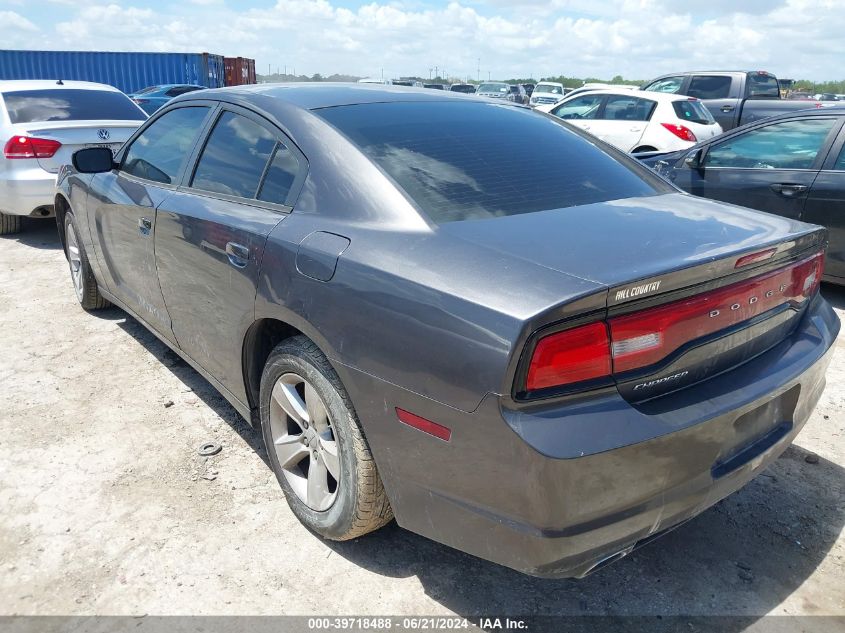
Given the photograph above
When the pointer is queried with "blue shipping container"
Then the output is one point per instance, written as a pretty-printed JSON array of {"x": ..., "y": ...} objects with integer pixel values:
[{"x": 125, "y": 71}]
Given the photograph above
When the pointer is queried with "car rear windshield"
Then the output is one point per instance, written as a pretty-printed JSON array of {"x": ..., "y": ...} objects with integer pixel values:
[
  {"x": 461, "y": 161},
  {"x": 693, "y": 111},
  {"x": 27, "y": 106},
  {"x": 762, "y": 86}
]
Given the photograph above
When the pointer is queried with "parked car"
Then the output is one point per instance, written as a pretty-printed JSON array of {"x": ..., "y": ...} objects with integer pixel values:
[
  {"x": 542, "y": 366},
  {"x": 588, "y": 87},
  {"x": 41, "y": 124},
  {"x": 801, "y": 96},
  {"x": 638, "y": 122},
  {"x": 152, "y": 98},
  {"x": 495, "y": 90},
  {"x": 518, "y": 94},
  {"x": 733, "y": 98},
  {"x": 547, "y": 93},
  {"x": 435, "y": 86},
  {"x": 372, "y": 80},
  {"x": 468, "y": 89},
  {"x": 792, "y": 165},
  {"x": 529, "y": 89},
  {"x": 825, "y": 96}
]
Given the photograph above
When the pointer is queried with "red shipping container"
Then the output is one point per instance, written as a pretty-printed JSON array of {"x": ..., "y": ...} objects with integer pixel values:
[{"x": 239, "y": 70}]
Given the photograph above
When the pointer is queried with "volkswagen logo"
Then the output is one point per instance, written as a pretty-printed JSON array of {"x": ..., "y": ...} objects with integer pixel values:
[{"x": 103, "y": 134}]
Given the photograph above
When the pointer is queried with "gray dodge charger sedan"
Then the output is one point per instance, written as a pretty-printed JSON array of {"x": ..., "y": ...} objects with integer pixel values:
[{"x": 545, "y": 357}]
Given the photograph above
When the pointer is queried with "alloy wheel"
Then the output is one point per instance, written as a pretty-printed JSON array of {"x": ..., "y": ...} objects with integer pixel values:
[{"x": 75, "y": 260}]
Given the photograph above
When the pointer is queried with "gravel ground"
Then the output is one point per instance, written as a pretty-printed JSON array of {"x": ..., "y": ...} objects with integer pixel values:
[{"x": 108, "y": 509}]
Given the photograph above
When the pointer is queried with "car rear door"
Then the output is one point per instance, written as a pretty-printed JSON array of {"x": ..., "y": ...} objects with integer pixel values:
[
  {"x": 770, "y": 167},
  {"x": 211, "y": 232},
  {"x": 623, "y": 120},
  {"x": 122, "y": 209},
  {"x": 826, "y": 206}
]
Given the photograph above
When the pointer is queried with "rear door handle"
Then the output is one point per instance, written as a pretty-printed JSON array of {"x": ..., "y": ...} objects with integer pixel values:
[
  {"x": 238, "y": 254},
  {"x": 145, "y": 225},
  {"x": 788, "y": 190}
]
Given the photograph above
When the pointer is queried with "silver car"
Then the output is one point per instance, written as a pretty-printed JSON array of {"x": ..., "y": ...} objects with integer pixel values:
[{"x": 41, "y": 124}]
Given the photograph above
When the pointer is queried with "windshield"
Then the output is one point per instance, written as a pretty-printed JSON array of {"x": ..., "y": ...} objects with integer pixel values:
[
  {"x": 493, "y": 88},
  {"x": 144, "y": 91},
  {"x": 556, "y": 90},
  {"x": 69, "y": 104},
  {"x": 445, "y": 158}
]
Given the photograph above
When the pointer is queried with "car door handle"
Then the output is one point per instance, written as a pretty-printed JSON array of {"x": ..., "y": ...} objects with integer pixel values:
[
  {"x": 145, "y": 225},
  {"x": 636, "y": 129},
  {"x": 728, "y": 108},
  {"x": 238, "y": 254},
  {"x": 787, "y": 190}
]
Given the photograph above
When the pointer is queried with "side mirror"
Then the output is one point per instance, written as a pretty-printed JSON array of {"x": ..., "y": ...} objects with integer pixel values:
[
  {"x": 93, "y": 160},
  {"x": 695, "y": 160}
]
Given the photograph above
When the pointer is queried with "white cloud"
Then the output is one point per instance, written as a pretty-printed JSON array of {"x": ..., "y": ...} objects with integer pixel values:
[{"x": 634, "y": 38}]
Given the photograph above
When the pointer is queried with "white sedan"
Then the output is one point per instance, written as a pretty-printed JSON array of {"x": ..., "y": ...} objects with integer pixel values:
[{"x": 638, "y": 121}]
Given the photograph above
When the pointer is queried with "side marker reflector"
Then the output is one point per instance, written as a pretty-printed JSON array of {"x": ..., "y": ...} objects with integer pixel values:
[{"x": 426, "y": 426}]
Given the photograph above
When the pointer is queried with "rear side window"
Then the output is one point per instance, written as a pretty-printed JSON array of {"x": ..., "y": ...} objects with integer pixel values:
[
  {"x": 710, "y": 87},
  {"x": 234, "y": 157},
  {"x": 625, "y": 108},
  {"x": 28, "y": 106},
  {"x": 786, "y": 145},
  {"x": 693, "y": 111},
  {"x": 667, "y": 84},
  {"x": 762, "y": 86},
  {"x": 158, "y": 152},
  {"x": 281, "y": 174},
  {"x": 448, "y": 158}
]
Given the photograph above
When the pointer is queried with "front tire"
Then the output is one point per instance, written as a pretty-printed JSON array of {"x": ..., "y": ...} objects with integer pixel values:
[
  {"x": 316, "y": 447},
  {"x": 84, "y": 282},
  {"x": 9, "y": 224}
]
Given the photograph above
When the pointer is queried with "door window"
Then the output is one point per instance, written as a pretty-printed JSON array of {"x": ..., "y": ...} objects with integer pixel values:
[
  {"x": 234, "y": 157},
  {"x": 280, "y": 176},
  {"x": 586, "y": 107},
  {"x": 710, "y": 87},
  {"x": 667, "y": 84},
  {"x": 157, "y": 154},
  {"x": 840, "y": 161},
  {"x": 787, "y": 145},
  {"x": 627, "y": 108}
]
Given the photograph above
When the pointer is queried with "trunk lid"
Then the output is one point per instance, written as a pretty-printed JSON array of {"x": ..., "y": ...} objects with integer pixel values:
[
  {"x": 76, "y": 135},
  {"x": 662, "y": 256}
]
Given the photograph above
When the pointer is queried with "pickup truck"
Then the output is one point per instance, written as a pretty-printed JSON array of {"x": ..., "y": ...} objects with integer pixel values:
[{"x": 733, "y": 97}]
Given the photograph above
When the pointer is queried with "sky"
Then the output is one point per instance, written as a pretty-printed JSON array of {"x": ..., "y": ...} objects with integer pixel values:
[{"x": 638, "y": 39}]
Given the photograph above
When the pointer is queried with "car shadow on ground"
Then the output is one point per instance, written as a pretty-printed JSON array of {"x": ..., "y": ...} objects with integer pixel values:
[
  {"x": 36, "y": 233},
  {"x": 835, "y": 295}
]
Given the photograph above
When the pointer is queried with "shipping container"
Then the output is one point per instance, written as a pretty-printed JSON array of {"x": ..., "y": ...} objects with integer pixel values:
[
  {"x": 128, "y": 72},
  {"x": 239, "y": 71}
]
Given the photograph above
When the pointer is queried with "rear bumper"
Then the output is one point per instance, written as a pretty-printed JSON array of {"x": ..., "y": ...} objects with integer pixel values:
[
  {"x": 27, "y": 190},
  {"x": 555, "y": 491}
]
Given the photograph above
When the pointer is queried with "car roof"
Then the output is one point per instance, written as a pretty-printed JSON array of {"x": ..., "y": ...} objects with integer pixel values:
[
  {"x": 660, "y": 97},
  {"x": 313, "y": 96},
  {"x": 13, "y": 85}
]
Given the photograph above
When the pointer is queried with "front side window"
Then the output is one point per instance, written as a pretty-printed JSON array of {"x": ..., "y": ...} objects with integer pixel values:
[
  {"x": 710, "y": 87},
  {"x": 625, "y": 108},
  {"x": 158, "y": 152},
  {"x": 71, "y": 104},
  {"x": 445, "y": 158},
  {"x": 586, "y": 107},
  {"x": 667, "y": 84},
  {"x": 786, "y": 145},
  {"x": 234, "y": 157}
]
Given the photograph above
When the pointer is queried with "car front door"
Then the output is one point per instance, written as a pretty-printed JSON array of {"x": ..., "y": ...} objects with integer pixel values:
[
  {"x": 211, "y": 232},
  {"x": 826, "y": 206},
  {"x": 770, "y": 167},
  {"x": 581, "y": 111},
  {"x": 122, "y": 210}
]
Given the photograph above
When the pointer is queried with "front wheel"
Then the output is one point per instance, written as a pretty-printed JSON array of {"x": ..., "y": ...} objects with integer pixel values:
[
  {"x": 316, "y": 447},
  {"x": 84, "y": 282}
]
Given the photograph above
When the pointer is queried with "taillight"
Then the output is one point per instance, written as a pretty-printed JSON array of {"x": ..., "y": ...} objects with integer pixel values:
[
  {"x": 29, "y": 147},
  {"x": 640, "y": 339},
  {"x": 681, "y": 131}
]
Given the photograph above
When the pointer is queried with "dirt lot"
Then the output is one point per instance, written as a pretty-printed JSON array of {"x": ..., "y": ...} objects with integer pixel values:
[{"x": 108, "y": 509}]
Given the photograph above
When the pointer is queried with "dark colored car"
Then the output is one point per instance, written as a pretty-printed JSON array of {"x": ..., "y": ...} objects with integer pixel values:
[
  {"x": 152, "y": 98},
  {"x": 518, "y": 94},
  {"x": 792, "y": 165},
  {"x": 467, "y": 89},
  {"x": 544, "y": 365},
  {"x": 734, "y": 98},
  {"x": 435, "y": 86},
  {"x": 529, "y": 89}
]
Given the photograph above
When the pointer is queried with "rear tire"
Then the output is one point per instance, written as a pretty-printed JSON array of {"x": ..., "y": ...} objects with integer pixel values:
[
  {"x": 9, "y": 224},
  {"x": 310, "y": 430},
  {"x": 84, "y": 282}
]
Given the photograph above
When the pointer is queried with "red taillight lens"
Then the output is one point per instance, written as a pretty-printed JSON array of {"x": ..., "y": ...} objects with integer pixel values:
[
  {"x": 681, "y": 131},
  {"x": 582, "y": 353},
  {"x": 28, "y": 147},
  {"x": 643, "y": 338},
  {"x": 647, "y": 337}
]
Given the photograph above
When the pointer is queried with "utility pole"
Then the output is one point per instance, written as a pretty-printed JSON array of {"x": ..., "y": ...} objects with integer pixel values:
[
  {"x": 479, "y": 70},
  {"x": 488, "y": 75}
]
